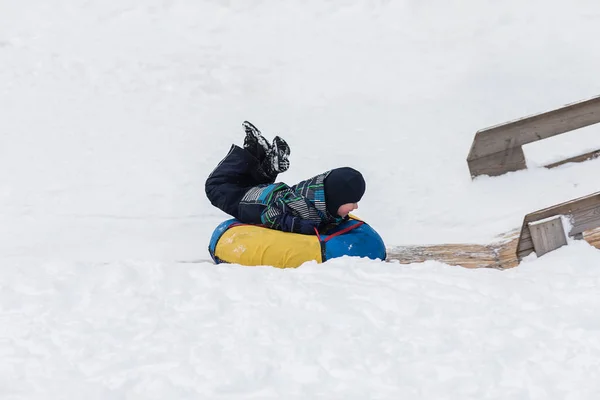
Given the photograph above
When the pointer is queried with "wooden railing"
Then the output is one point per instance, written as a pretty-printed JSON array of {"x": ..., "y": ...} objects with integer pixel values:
[{"x": 498, "y": 149}]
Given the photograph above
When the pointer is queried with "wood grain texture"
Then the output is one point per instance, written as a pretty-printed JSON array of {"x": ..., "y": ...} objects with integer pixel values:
[
  {"x": 581, "y": 158},
  {"x": 497, "y": 149},
  {"x": 501, "y": 254},
  {"x": 511, "y": 159},
  {"x": 547, "y": 235},
  {"x": 584, "y": 213},
  {"x": 537, "y": 127}
]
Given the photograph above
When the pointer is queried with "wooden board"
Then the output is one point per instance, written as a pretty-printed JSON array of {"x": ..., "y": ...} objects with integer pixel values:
[
  {"x": 581, "y": 158},
  {"x": 584, "y": 213},
  {"x": 547, "y": 235},
  {"x": 498, "y": 255},
  {"x": 536, "y": 127},
  {"x": 509, "y": 160},
  {"x": 497, "y": 149}
]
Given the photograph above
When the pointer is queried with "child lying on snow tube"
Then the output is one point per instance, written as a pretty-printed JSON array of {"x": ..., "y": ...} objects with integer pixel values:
[{"x": 243, "y": 185}]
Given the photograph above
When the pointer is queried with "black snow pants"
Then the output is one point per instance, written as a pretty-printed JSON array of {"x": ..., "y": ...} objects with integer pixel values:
[{"x": 237, "y": 173}]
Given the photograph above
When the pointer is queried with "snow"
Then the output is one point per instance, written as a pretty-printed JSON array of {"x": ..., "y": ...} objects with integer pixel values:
[{"x": 113, "y": 113}]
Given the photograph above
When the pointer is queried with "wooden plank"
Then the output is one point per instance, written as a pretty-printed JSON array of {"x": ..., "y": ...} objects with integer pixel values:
[
  {"x": 584, "y": 213},
  {"x": 501, "y": 254},
  {"x": 547, "y": 235},
  {"x": 512, "y": 159},
  {"x": 581, "y": 158},
  {"x": 536, "y": 127},
  {"x": 465, "y": 255}
]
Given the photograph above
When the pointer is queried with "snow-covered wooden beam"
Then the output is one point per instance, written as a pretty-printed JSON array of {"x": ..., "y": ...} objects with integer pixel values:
[
  {"x": 583, "y": 222},
  {"x": 498, "y": 149},
  {"x": 547, "y": 234},
  {"x": 497, "y": 255},
  {"x": 582, "y": 213}
]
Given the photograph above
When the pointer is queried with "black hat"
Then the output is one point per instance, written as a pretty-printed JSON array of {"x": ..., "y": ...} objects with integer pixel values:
[{"x": 343, "y": 185}]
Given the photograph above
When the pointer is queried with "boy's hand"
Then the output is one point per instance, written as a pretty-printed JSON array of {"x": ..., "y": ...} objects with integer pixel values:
[
  {"x": 308, "y": 227},
  {"x": 290, "y": 223}
]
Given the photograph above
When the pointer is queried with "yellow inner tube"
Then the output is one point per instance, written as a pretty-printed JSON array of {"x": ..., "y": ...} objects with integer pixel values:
[{"x": 255, "y": 245}]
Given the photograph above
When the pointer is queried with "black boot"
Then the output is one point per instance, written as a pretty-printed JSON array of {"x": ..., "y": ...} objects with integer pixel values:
[
  {"x": 255, "y": 143},
  {"x": 277, "y": 160}
]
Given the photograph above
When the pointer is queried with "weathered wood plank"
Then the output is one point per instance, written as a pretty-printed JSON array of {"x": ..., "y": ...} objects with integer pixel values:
[
  {"x": 466, "y": 255},
  {"x": 581, "y": 158},
  {"x": 547, "y": 235},
  {"x": 584, "y": 213},
  {"x": 536, "y": 127},
  {"x": 501, "y": 254},
  {"x": 497, "y": 149},
  {"x": 511, "y": 159}
]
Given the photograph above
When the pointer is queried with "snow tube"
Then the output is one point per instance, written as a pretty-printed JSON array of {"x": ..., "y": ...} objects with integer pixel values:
[{"x": 238, "y": 243}]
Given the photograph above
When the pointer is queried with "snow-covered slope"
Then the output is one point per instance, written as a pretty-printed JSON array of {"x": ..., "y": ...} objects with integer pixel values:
[{"x": 113, "y": 113}]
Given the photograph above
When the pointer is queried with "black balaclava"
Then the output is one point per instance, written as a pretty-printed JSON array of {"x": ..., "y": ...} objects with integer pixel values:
[{"x": 343, "y": 185}]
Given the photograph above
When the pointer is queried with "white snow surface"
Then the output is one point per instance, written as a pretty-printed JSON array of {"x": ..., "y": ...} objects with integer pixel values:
[{"x": 113, "y": 113}]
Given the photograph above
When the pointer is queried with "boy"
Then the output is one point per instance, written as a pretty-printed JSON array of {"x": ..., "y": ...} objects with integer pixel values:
[{"x": 243, "y": 185}]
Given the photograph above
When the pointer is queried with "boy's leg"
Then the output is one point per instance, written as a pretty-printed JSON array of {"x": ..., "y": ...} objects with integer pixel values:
[{"x": 232, "y": 178}]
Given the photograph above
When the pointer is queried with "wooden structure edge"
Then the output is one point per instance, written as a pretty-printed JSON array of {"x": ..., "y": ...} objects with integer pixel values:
[
  {"x": 583, "y": 215},
  {"x": 498, "y": 149},
  {"x": 498, "y": 255}
]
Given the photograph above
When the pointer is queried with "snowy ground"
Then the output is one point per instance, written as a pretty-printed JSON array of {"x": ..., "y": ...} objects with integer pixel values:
[{"x": 113, "y": 113}]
